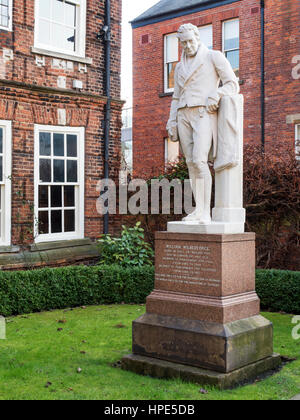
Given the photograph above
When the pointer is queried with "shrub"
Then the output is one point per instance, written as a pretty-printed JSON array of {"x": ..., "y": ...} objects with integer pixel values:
[
  {"x": 129, "y": 250},
  {"x": 57, "y": 288},
  {"x": 279, "y": 290}
]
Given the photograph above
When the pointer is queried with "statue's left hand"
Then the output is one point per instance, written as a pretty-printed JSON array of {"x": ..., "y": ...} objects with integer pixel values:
[{"x": 212, "y": 105}]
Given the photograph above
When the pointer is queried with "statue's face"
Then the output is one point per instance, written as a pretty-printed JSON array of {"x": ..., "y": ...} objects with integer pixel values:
[{"x": 189, "y": 43}]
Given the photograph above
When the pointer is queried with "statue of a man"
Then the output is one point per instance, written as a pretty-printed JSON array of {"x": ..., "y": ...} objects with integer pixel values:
[{"x": 194, "y": 112}]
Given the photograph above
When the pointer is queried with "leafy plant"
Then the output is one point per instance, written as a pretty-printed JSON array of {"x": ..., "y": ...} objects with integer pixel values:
[{"x": 129, "y": 250}]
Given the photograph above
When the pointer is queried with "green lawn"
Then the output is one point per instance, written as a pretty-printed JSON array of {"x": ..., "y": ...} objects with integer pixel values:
[{"x": 39, "y": 362}]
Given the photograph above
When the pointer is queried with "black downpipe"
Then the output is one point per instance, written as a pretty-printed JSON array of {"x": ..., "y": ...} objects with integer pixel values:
[
  {"x": 263, "y": 75},
  {"x": 105, "y": 34}
]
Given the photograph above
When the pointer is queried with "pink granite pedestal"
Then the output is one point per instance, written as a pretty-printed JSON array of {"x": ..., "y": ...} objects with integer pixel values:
[{"x": 204, "y": 311}]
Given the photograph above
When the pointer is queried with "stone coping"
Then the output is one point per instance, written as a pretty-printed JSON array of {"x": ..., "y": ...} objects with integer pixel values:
[
  {"x": 49, "y": 254},
  {"x": 168, "y": 370},
  {"x": 199, "y": 237}
]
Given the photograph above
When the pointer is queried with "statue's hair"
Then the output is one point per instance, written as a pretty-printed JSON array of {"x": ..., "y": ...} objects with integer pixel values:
[{"x": 188, "y": 27}]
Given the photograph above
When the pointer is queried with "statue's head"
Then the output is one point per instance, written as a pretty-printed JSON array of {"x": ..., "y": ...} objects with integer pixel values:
[{"x": 189, "y": 37}]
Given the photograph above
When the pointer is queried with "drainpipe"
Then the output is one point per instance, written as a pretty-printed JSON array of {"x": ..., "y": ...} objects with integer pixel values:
[
  {"x": 262, "y": 75},
  {"x": 105, "y": 34}
]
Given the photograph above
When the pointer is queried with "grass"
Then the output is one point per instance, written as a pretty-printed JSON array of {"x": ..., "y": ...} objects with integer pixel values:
[{"x": 37, "y": 361}]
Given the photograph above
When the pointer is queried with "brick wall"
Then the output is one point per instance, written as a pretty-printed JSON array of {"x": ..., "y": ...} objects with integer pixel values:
[
  {"x": 282, "y": 91},
  {"x": 151, "y": 108},
  {"x": 30, "y": 94}
]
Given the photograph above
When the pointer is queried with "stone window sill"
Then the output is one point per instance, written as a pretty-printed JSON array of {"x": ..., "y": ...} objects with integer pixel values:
[
  {"x": 164, "y": 95},
  {"x": 46, "y": 246},
  {"x": 62, "y": 56},
  {"x": 9, "y": 249}
]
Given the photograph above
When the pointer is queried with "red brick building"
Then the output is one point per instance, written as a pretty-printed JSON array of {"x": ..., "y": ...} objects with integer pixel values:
[
  {"x": 258, "y": 37},
  {"x": 52, "y": 109}
]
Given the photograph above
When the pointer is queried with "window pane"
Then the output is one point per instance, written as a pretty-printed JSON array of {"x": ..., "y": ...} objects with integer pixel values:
[
  {"x": 58, "y": 144},
  {"x": 69, "y": 36},
  {"x": 56, "y": 221},
  {"x": 70, "y": 14},
  {"x": 171, "y": 48},
  {"x": 206, "y": 36},
  {"x": 44, "y": 8},
  {"x": 58, "y": 11},
  {"x": 43, "y": 222},
  {"x": 56, "y": 196},
  {"x": 1, "y": 168},
  {"x": 171, "y": 74},
  {"x": 59, "y": 170},
  {"x": 45, "y": 144},
  {"x": 69, "y": 220},
  {"x": 4, "y": 21},
  {"x": 44, "y": 32},
  {"x": 71, "y": 171},
  {"x": 172, "y": 151},
  {"x": 43, "y": 196},
  {"x": 71, "y": 145},
  {"x": 69, "y": 196},
  {"x": 231, "y": 35},
  {"x": 234, "y": 58},
  {"x": 45, "y": 170},
  {"x": 63, "y": 37}
]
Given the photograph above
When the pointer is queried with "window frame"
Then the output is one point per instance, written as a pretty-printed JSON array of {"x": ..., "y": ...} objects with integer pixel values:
[
  {"x": 5, "y": 219},
  {"x": 80, "y": 38},
  {"x": 79, "y": 197},
  {"x": 10, "y": 17},
  {"x": 166, "y": 88},
  {"x": 223, "y": 39}
]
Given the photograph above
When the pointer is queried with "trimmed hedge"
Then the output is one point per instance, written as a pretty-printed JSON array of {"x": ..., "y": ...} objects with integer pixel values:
[
  {"x": 24, "y": 292},
  {"x": 58, "y": 288},
  {"x": 279, "y": 290}
]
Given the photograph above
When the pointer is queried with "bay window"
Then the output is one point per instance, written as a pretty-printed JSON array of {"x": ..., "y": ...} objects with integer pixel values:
[
  {"x": 5, "y": 182},
  {"x": 60, "y": 26},
  {"x": 59, "y": 183}
]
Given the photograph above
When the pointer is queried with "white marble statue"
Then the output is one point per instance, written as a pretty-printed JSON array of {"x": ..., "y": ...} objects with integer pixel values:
[{"x": 206, "y": 118}]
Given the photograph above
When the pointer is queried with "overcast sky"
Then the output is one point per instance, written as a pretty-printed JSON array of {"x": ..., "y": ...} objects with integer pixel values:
[{"x": 131, "y": 9}]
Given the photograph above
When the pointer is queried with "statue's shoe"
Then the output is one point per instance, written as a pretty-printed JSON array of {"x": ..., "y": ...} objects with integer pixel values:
[
  {"x": 196, "y": 217},
  {"x": 193, "y": 217},
  {"x": 206, "y": 221}
]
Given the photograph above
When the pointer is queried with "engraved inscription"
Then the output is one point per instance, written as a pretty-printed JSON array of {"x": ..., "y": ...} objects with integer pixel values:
[{"x": 188, "y": 264}]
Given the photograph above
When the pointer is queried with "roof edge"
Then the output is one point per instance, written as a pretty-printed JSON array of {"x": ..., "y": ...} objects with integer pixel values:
[{"x": 183, "y": 11}]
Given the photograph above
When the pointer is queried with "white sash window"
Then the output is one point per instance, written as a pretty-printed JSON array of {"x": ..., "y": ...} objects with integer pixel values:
[
  {"x": 5, "y": 182},
  {"x": 60, "y": 26},
  {"x": 231, "y": 43},
  {"x": 171, "y": 59},
  {"x": 59, "y": 183},
  {"x": 6, "y": 14}
]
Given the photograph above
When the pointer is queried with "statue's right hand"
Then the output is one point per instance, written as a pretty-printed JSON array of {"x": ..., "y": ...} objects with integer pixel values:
[{"x": 173, "y": 135}]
